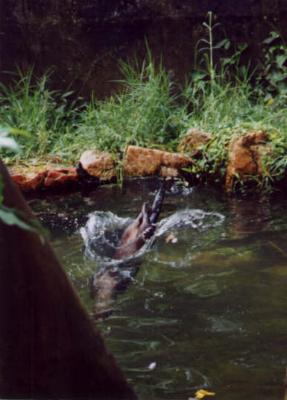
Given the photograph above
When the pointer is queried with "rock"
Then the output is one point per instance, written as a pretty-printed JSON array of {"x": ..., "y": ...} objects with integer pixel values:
[
  {"x": 37, "y": 177},
  {"x": 100, "y": 165},
  {"x": 28, "y": 179},
  {"x": 60, "y": 177},
  {"x": 193, "y": 141},
  {"x": 245, "y": 154},
  {"x": 140, "y": 161},
  {"x": 169, "y": 172}
]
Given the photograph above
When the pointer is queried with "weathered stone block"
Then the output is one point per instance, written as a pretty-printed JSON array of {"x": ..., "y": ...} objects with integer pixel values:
[
  {"x": 42, "y": 176},
  {"x": 28, "y": 179},
  {"x": 140, "y": 161},
  {"x": 60, "y": 177},
  {"x": 100, "y": 165},
  {"x": 245, "y": 154}
]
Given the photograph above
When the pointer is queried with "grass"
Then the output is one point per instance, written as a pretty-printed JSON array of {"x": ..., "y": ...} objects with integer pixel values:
[
  {"x": 150, "y": 110},
  {"x": 234, "y": 108},
  {"x": 144, "y": 113},
  {"x": 141, "y": 114},
  {"x": 34, "y": 109}
]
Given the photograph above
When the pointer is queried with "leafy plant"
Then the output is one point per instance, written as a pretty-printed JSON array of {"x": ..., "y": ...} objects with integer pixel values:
[
  {"x": 274, "y": 75},
  {"x": 208, "y": 47}
]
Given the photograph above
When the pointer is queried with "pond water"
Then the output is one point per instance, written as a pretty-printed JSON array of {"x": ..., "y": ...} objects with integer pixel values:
[{"x": 207, "y": 312}]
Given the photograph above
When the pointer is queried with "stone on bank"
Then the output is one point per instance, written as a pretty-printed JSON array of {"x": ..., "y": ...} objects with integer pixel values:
[
  {"x": 43, "y": 177},
  {"x": 141, "y": 161},
  {"x": 99, "y": 164},
  {"x": 245, "y": 157}
]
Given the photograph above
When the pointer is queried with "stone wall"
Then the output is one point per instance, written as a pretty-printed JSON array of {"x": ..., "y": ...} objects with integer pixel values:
[{"x": 84, "y": 40}]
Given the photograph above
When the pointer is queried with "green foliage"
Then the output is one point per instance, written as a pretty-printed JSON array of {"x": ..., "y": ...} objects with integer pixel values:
[
  {"x": 273, "y": 79},
  {"x": 10, "y": 216},
  {"x": 222, "y": 100},
  {"x": 151, "y": 110},
  {"x": 144, "y": 113},
  {"x": 31, "y": 107},
  {"x": 208, "y": 50},
  {"x": 208, "y": 47}
]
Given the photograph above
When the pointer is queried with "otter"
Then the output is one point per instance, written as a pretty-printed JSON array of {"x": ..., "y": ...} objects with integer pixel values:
[
  {"x": 142, "y": 229},
  {"x": 110, "y": 280}
]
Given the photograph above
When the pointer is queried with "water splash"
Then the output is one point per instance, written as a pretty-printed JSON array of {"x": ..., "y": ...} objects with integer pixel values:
[
  {"x": 103, "y": 231},
  {"x": 195, "y": 219},
  {"x": 101, "y": 234}
]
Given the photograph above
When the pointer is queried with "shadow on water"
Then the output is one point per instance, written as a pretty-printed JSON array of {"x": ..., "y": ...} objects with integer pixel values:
[{"x": 207, "y": 310}]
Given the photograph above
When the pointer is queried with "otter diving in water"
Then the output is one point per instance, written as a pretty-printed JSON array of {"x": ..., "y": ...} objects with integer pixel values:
[
  {"x": 114, "y": 278},
  {"x": 142, "y": 229}
]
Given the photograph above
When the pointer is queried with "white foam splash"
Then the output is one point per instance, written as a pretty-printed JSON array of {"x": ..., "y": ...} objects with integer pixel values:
[
  {"x": 102, "y": 232},
  {"x": 195, "y": 219}
]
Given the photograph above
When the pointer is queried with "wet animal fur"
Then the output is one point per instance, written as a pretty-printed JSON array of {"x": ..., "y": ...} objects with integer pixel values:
[
  {"x": 142, "y": 229},
  {"x": 108, "y": 281}
]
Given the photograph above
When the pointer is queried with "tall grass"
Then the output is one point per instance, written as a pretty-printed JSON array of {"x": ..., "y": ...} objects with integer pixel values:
[
  {"x": 30, "y": 106},
  {"x": 144, "y": 113},
  {"x": 150, "y": 110}
]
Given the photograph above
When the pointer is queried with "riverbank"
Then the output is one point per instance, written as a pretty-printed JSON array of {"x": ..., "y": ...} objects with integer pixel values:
[
  {"x": 245, "y": 165},
  {"x": 152, "y": 111}
]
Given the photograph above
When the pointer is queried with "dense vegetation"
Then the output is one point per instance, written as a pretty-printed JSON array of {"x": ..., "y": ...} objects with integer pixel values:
[{"x": 151, "y": 110}]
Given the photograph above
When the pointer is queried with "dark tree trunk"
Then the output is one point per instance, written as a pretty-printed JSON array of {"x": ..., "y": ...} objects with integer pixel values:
[{"x": 48, "y": 345}]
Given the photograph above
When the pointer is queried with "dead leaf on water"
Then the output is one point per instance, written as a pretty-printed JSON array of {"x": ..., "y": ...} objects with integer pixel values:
[{"x": 201, "y": 394}]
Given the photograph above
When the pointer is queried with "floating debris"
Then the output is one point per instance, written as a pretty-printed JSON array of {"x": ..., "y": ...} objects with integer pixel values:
[{"x": 152, "y": 366}]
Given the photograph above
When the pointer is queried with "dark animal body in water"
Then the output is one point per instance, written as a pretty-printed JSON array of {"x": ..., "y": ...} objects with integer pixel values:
[
  {"x": 110, "y": 280},
  {"x": 142, "y": 229}
]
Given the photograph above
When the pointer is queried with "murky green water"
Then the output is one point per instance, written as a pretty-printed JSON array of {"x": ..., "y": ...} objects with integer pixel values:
[{"x": 209, "y": 311}]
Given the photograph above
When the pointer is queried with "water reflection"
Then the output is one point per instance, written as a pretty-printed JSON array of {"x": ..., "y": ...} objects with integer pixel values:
[{"x": 248, "y": 216}]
